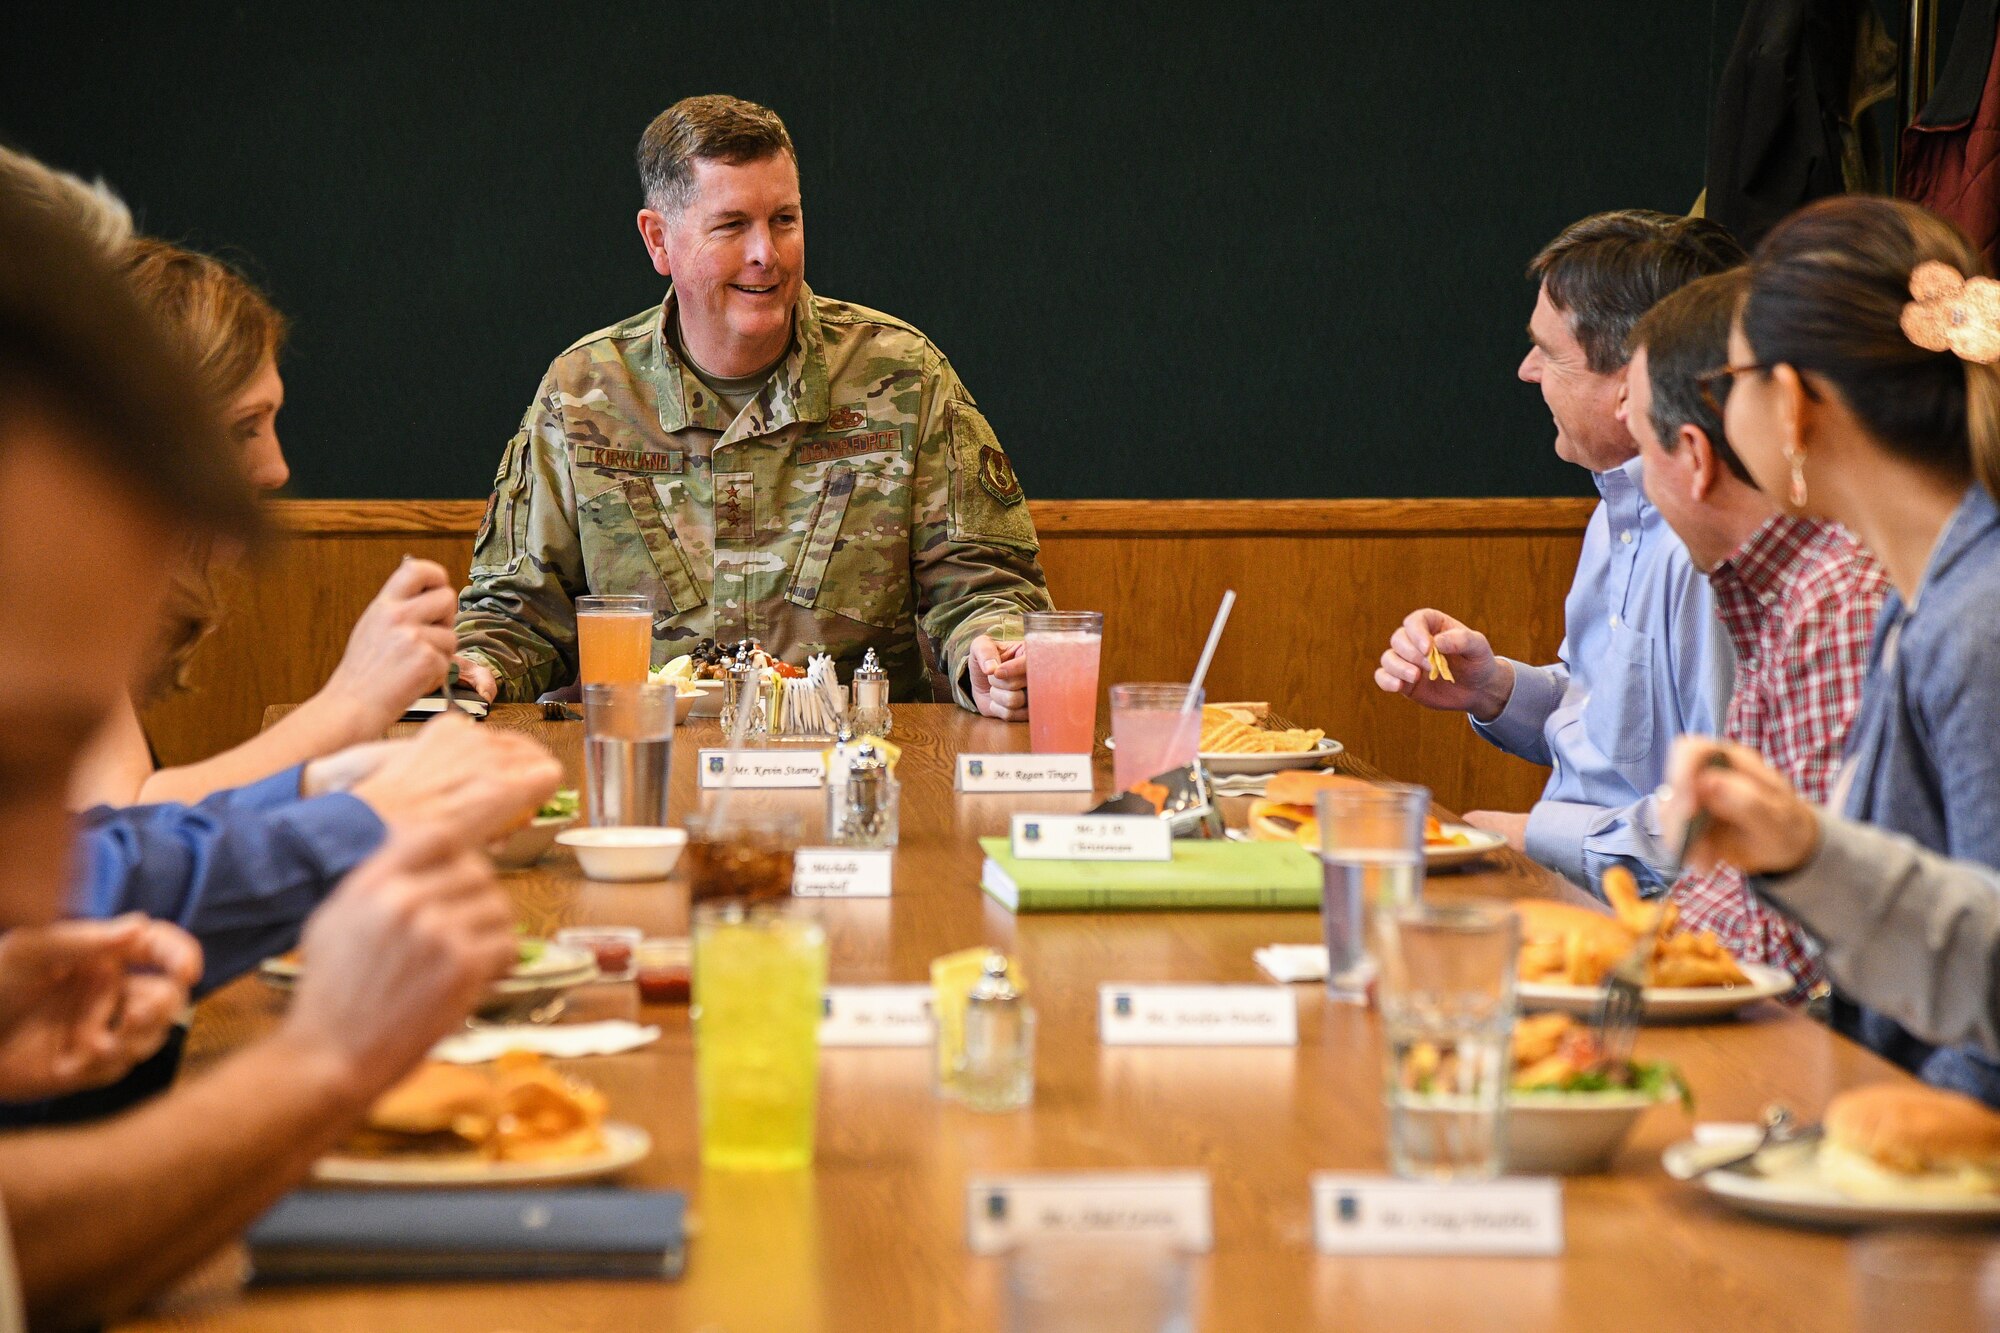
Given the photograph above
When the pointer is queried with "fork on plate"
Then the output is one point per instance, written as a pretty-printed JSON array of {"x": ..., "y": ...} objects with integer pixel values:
[{"x": 1624, "y": 1002}]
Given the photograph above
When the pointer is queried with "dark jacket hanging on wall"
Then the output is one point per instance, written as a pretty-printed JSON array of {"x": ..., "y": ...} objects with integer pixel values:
[
  {"x": 1950, "y": 160},
  {"x": 1800, "y": 74}
]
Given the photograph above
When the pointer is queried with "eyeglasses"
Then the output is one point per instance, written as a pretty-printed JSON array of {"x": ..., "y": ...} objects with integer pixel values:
[{"x": 1715, "y": 384}]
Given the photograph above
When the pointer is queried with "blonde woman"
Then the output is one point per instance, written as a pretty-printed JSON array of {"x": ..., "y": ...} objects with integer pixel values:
[{"x": 398, "y": 651}]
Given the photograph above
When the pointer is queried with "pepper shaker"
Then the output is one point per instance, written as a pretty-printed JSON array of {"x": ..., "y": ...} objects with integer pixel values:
[
  {"x": 861, "y": 798},
  {"x": 998, "y": 1073},
  {"x": 870, "y": 713}
]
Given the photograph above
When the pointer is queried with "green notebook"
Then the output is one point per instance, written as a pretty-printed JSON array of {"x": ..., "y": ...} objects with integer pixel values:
[{"x": 1237, "y": 875}]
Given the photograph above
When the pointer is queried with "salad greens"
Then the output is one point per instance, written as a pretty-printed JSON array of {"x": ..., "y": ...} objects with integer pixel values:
[
  {"x": 1656, "y": 1078},
  {"x": 563, "y": 805}
]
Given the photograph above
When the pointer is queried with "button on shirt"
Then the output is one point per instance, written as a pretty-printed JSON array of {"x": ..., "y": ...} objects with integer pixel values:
[
  {"x": 240, "y": 871},
  {"x": 1643, "y": 660}
]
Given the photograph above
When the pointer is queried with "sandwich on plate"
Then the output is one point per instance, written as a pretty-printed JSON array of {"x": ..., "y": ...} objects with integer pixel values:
[{"x": 1889, "y": 1141}]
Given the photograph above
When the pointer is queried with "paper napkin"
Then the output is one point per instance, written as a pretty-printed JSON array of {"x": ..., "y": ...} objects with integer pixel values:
[
  {"x": 565, "y": 1041},
  {"x": 1292, "y": 962}
]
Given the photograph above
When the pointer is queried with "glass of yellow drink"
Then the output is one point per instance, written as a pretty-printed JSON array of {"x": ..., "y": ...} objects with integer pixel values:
[
  {"x": 614, "y": 639},
  {"x": 759, "y": 973}
]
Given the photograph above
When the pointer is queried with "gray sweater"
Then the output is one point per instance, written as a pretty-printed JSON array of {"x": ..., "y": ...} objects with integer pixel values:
[{"x": 1907, "y": 932}]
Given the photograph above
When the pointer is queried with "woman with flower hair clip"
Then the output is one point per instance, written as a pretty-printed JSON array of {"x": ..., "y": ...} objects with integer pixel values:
[{"x": 1863, "y": 389}]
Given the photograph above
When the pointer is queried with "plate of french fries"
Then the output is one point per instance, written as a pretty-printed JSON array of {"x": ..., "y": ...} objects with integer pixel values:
[
  {"x": 1567, "y": 951},
  {"x": 1246, "y": 738}
]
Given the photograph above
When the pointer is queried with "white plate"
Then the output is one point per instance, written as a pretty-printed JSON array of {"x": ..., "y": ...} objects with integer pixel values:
[
  {"x": 1237, "y": 765},
  {"x": 1478, "y": 843},
  {"x": 623, "y": 1146},
  {"x": 1664, "y": 1004},
  {"x": 532, "y": 987},
  {"x": 1795, "y": 1193}
]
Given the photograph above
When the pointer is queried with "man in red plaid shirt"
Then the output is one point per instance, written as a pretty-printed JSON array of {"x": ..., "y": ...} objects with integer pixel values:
[{"x": 1798, "y": 598}]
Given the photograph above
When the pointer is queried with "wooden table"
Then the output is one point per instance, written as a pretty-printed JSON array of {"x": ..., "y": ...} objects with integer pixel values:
[{"x": 873, "y": 1236}]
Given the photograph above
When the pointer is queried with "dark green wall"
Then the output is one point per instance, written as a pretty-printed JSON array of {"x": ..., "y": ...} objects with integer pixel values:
[{"x": 1175, "y": 250}]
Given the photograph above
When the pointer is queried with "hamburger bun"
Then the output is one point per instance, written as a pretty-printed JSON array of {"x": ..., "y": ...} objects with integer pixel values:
[
  {"x": 1898, "y": 1138},
  {"x": 437, "y": 1098},
  {"x": 1288, "y": 811}
]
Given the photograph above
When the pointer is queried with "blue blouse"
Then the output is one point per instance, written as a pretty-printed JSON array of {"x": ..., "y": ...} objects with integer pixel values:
[
  {"x": 1923, "y": 755},
  {"x": 240, "y": 871}
]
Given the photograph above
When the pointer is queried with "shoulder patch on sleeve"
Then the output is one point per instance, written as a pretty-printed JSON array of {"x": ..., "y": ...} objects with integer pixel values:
[{"x": 987, "y": 502}]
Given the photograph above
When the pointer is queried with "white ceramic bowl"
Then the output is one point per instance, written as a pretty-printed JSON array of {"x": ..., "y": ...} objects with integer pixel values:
[
  {"x": 707, "y": 700},
  {"x": 625, "y": 853},
  {"x": 1570, "y": 1133},
  {"x": 528, "y": 843},
  {"x": 684, "y": 703}
]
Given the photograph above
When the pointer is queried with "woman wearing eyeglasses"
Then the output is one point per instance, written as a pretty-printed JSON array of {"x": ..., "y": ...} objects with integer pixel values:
[{"x": 1865, "y": 392}]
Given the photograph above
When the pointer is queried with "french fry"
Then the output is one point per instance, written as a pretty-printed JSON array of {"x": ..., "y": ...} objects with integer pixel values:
[{"x": 1439, "y": 667}]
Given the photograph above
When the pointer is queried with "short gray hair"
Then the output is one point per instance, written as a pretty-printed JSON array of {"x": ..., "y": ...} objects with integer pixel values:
[{"x": 715, "y": 128}]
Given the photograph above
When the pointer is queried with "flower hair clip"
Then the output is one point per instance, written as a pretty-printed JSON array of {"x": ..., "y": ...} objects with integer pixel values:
[{"x": 1953, "y": 313}]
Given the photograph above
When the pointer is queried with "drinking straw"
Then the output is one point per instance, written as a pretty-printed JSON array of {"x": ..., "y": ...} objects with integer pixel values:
[
  {"x": 738, "y": 734},
  {"x": 1188, "y": 705}
]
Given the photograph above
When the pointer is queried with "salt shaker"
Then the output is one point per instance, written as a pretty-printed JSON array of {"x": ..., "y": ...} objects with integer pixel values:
[
  {"x": 869, "y": 715},
  {"x": 998, "y": 1073},
  {"x": 861, "y": 798}
]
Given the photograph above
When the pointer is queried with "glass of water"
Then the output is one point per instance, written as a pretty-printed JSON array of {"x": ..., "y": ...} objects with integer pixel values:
[
  {"x": 1371, "y": 847},
  {"x": 1447, "y": 992},
  {"x": 628, "y": 750}
]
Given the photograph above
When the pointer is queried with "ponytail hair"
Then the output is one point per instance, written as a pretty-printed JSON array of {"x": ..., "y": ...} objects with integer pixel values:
[
  {"x": 1827, "y": 290},
  {"x": 1982, "y": 423}
]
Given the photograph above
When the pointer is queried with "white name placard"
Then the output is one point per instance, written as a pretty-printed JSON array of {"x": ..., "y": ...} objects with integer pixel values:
[
  {"x": 1519, "y": 1215},
  {"x": 1092, "y": 838},
  {"x": 1024, "y": 772},
  {"x": 1171, "y": 1207},
  {"x": 1196, "y": 1015},
  {"x": 841, "y": 872},
  {"x": 764, "y": 768},
  {"x": 877, "y": 1016}
]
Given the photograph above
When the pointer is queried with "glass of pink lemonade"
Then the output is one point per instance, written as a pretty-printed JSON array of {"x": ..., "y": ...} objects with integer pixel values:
[
  {"x": 614, "y": 640},
  {"x": 1062, "y": 648},
  {"x": 1151, "y": 732}
]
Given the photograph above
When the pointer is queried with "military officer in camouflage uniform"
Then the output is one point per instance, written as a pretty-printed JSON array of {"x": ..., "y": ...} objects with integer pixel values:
[{"x": 765, "y": 462}]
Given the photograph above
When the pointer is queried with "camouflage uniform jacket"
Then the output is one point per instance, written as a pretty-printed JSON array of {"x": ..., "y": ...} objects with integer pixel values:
[{"x": 858, "y": 497}]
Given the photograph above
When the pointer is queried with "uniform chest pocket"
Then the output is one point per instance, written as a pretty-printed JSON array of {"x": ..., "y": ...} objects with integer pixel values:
[
  {"x": 1618, "y": 716},
  {"x": 630, "y": 545},
  {"x": 856, "y": 558}
]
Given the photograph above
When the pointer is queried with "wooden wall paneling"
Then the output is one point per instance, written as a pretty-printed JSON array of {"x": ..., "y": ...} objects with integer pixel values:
[
  {"x": 1321, "y": 584},
  {"x": 283, "y": 631}
]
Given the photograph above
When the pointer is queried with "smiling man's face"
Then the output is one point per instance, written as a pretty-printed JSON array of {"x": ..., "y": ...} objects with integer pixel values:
[
  {"x": 737, "y": 255},
  {"x": 1583, "y": 402}
]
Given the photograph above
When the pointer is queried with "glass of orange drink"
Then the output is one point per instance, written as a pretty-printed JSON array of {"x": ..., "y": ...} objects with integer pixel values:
[{"x": 614, "y": 639}]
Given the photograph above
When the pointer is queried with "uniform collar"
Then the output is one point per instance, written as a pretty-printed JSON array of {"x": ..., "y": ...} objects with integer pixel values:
[{"x": 797, "y": 391}]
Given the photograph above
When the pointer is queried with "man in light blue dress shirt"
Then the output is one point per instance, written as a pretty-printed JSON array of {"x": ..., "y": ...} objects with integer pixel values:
[{"x": 1644, "y": 657}]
